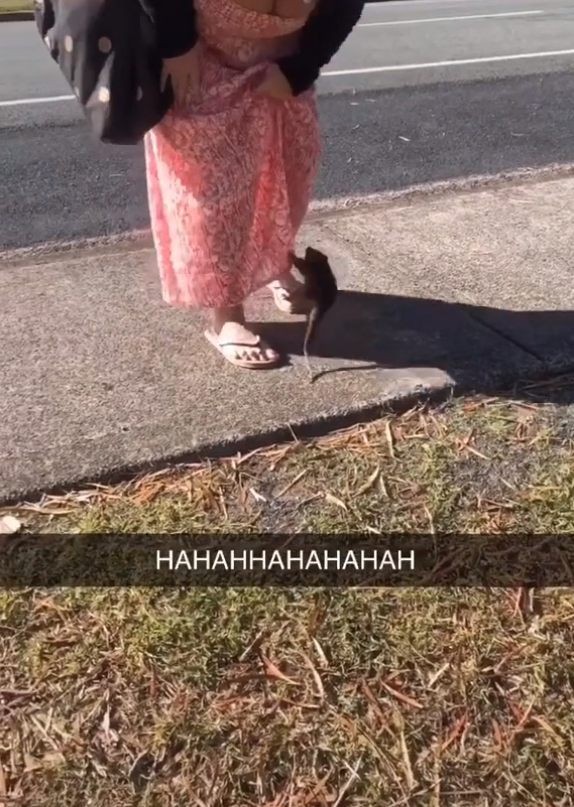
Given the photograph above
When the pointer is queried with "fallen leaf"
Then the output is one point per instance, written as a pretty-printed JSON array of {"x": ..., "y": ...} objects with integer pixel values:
[
  {"x": 272, "y": 671},
  {"x": 390, "y": 439},
  {"x": 315, "y": 674},
  {"x": 373, "y": 700},
  {"x": 324, "y": 662},
  {"x": 370, "y": 482},
  {"x": 290, "y": 484},
  {"x": 400, "y": 697},
  {"x": 3, "y": 787},
  {"x": 334, "y": 500},
  {"x": 544, "y": 724},
  {"x": 9, "y": 525},
  {"x": 498, "y": 741}
]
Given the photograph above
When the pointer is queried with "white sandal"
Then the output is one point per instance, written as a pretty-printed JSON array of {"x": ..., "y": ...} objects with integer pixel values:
[
  {"x": 241, "y": 339},
  {"x": 291, "y": 301}
]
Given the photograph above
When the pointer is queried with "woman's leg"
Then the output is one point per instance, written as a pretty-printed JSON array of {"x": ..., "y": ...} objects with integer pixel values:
[
  {"x": 289, "y": 294},
  {"x": 290, "y": 297},
  {"x": 227, "y": 331},
  {"x": 301, "y": 154}
]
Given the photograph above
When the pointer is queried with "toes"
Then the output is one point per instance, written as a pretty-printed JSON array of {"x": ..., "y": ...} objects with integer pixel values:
[
  {"x": 266, "y": 355},
  {"x": 259, "y": 355},
  {"x": 252, "y": 355}
]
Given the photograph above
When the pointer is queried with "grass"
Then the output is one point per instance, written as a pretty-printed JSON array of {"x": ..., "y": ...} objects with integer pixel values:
[
  {"x": 339, "y": 698},
  {"x": 13, "y": 6}
]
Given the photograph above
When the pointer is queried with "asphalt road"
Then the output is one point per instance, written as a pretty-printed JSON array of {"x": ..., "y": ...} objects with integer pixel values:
[{"x": 421, "y": 91}]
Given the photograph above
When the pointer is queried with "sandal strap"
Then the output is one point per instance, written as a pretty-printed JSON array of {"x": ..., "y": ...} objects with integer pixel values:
[
  {"x": 281, "y": 292},
  {"x": 241, "y": 344}
]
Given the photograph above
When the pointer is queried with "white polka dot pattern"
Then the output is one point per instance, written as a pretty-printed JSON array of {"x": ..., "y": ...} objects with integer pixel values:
[{"x": 116, "y": 79}]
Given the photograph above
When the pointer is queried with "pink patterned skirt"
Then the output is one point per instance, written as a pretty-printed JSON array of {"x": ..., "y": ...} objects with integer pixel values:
[{"x": 230, "y": 178}]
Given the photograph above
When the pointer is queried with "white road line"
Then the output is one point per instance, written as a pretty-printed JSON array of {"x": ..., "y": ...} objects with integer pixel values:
[
  {"x": 427, "y": 3},
  {"x": 393, "y": 68},
  {"x": 452, "y": 19},
  {"x": 389, "y": 68},
  {"x": 48, "y": 100}
]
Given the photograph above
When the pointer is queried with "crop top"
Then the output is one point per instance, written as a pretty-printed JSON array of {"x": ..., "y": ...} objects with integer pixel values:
[{"x": 328, "y": 26}]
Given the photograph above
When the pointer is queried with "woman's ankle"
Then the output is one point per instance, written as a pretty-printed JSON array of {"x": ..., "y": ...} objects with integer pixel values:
[
  {"x": 287, "y": 283},
  {"x": 220, "y": 316}
]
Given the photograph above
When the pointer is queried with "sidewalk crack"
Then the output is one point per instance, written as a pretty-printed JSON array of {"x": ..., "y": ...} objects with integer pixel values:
[{"x": 499, "y": 332}]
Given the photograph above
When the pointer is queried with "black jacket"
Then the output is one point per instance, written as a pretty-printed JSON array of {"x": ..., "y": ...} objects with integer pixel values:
[{"x": 327, "y": 28}]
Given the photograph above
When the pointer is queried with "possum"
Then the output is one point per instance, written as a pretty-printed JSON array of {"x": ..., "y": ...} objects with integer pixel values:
[{"x": 320, "y": 287}]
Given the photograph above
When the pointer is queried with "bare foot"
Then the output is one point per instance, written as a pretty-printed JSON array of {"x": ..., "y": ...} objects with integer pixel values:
[
  {"x": 236, "y": 343},
  {"x": 289, "y": 295}
]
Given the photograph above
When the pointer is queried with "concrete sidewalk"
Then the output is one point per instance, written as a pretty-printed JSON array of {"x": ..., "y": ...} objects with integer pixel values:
[{"x": 462, "y": 289}]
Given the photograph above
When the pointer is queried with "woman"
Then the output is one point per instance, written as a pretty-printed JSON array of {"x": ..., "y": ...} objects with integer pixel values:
[{"x": 230, "y": 169}]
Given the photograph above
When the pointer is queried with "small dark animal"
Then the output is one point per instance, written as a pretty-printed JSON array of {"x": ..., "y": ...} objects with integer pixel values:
[{"x": 320, "y": 287}]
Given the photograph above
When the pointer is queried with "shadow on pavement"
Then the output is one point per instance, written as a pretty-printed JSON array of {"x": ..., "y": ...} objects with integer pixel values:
[{"x": 482, "y": 349}]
